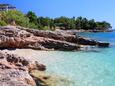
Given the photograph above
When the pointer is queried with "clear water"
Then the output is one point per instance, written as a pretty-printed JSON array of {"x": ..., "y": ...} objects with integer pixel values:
[
  {"x": 105, "y": 36},
  {"x": 93, "y": 68}
]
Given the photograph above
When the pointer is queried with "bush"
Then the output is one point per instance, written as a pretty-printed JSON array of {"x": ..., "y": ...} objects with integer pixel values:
[
  {"x": 3, "y": 23},
  {"x": 14, "y": 15},
  {"x": 46, "y": 28},
  {"x": 32, "y": 25}
]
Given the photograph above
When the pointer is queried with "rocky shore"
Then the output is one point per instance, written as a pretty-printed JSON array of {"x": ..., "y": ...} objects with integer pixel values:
[
  {"x": 19, "y": 37},
  {"x": 16, "y": 70},
  {"x": 20, "y": 71}
]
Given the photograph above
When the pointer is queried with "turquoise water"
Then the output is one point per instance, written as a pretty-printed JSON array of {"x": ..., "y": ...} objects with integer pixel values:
[
  {"x": 105, "y": 36},
  {"x": 91, "y": 68}
]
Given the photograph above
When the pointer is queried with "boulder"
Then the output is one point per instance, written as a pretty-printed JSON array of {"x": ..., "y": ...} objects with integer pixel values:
[
  {"x": 15, "y": 70},
  {"x": 101, "y": 44},
  {"x": 86, "y": 41}
]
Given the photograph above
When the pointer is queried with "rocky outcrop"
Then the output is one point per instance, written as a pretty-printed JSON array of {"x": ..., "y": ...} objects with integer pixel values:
[
  {"x": 19, "y": 37},
  {"x": 20, "y": 71},
  {"x": 69, "y": 36},
  {"x": 57, "y": 35},
  {"x": 101, "y": 44},
  {"x": 15, "y": 70},
  {"x": 12, "y": 37}
]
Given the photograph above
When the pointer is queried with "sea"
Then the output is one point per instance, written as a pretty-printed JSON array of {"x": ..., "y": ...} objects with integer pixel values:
[{"x": 93, "y": 67}]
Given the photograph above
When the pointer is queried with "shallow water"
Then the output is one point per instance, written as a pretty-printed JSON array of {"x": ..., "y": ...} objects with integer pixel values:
[
  {"x": 93, "y": 68},
  {"x": 82, "y": 68}
]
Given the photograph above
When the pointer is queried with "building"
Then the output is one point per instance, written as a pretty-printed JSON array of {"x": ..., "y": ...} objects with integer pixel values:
[{"x": 6, "y": 7}]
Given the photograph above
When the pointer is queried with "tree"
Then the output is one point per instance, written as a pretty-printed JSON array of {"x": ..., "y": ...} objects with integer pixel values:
[
  {"x": 85, "y": 24},
  {"x": 14, "y": 15},
  {"x": 67, "y": 23},
  {"x": 78, "y": 23},
  {"x": 92, "y": 24},
  {"x": 46, "y": 22},
  {"x": 32, "y": 17},
  {"x": 103, "y": 25}
]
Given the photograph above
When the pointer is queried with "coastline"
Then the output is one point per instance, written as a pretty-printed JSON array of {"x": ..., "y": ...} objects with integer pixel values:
[
  {"x": 33, "y": 45},
  {"x": 79, "y": 31},
  {"x": 67, "y": 44},
  {"x": 72, "y": 64},
  {"x": 45, "y": 77}
]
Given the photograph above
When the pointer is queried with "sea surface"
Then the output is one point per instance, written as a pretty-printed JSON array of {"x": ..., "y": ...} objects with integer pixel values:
[
  {"x": 91, "y": 67},
  {"x": 95, "y": 67}
]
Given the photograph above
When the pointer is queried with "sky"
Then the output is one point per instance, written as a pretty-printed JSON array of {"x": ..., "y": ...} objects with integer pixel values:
[{"x": 100, "y": 10}]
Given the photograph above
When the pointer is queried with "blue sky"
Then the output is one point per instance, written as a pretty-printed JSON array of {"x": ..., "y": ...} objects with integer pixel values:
[{"x": 97, "y": 9}]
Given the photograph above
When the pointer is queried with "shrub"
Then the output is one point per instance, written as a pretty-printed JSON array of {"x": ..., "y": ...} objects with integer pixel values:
[
  {"x": 14, "y": 15},
  {"x": 3, "y": 23}
]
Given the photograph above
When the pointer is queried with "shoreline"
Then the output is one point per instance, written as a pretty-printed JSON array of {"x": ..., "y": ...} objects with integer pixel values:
[
  {"x": 79, "y": 31},
  {"x": 35, "y": 45},
  {"x": 41, "y": 57},
  {"x": 25, "y": 38}
]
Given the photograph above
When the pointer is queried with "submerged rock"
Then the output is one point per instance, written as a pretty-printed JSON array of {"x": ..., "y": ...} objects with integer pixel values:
[{"x": 51, "y": 80}]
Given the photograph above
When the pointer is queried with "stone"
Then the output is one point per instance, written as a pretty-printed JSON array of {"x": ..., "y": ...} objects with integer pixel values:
[
  {"x": 100, "y": 44},
  {"x": 19, "y": 37},
  {"x": 15, "y": 70},
  {"x": 41, "y": 67}
]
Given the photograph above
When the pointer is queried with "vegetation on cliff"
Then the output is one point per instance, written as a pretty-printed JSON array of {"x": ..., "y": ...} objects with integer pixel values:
[{"x": 31, "y": 20}]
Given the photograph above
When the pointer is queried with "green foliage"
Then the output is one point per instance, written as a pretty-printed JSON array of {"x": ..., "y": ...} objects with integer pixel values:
[
  {"x": 46, "y": 28},
  {"x": 45, "y": 21},
  {"x": 81, "y": 23},
  {"x": 37, "y": 23},
  {"x": 31, "y": 20},
  {"x": 3, "y": 23},
  {"x": 13, "y": 15},
  {"x": 32, "y": 25},
  {"x": 32, "y": 17},
  {"x": 68, "y": 23},
  {"x": 103, "y": 25}
]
